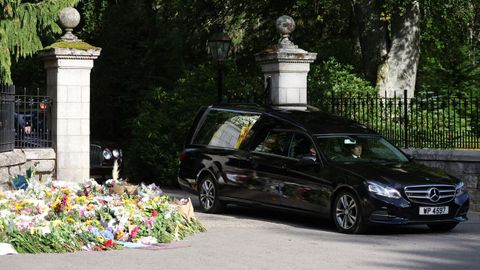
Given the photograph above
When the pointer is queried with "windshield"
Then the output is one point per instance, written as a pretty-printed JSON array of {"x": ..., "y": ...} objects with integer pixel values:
[{"x": 359, "y": 148}]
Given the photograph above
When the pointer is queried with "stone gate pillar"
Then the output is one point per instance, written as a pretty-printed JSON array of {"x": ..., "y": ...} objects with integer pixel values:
[
  {"x": 68, "y": 63},
  {"x": 286, "y": 67}
]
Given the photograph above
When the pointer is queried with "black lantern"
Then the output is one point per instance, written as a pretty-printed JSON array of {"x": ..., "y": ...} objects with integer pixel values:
[{"x": 218, "y": 48}]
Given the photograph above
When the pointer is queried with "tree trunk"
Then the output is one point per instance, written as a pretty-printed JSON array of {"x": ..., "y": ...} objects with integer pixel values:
[
  {"x": 399, "y": 70},
  {"x": 373, "y": 35},
  {"x": 389, "y": 56}
]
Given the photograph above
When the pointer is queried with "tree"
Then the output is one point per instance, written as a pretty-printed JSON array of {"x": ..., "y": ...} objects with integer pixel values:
[
  {"x": 450, "y": 43},
  {"x": 390, "y": 42},
  {"x": 22, "y": 23}
]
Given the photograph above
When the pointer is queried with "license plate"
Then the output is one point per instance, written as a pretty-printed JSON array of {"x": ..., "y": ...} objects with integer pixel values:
[{"x": 437, "y": 210}]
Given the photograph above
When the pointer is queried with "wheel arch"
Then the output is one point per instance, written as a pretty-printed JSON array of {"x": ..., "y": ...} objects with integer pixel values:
[{"x": 202, "y": 174}]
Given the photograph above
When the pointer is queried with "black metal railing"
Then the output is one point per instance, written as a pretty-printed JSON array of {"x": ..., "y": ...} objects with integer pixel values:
[
  {"x": 444, "y": 122},
  {"x": 421, "y": 122},
  {"x": 32, "y": 120},
  {"x": 7, "y": 132}
]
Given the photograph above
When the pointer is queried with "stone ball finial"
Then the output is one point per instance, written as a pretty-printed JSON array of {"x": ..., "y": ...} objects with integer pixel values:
[
  {"x": 69, "y": 19},
  {"x": 285, "y": 26}
]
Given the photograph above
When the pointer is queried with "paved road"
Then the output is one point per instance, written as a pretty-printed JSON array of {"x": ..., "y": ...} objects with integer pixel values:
[{"x": 246, "y": 238}]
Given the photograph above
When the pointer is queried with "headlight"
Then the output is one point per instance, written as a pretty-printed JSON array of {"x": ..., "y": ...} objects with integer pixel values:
[
  {"x": 460, "y": 189},
  {"x": 107, "y": 154},
  {"x": 383, "y": 190},
  {"x": 116, "y": 153}
]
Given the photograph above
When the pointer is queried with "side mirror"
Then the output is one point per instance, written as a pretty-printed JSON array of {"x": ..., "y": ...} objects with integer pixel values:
[{"x": 307, "y": 160}]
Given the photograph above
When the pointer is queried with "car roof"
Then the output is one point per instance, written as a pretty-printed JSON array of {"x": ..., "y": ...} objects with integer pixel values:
[
  {"x": 321, "y": 122},
  {"x": 314, "y": 120}
]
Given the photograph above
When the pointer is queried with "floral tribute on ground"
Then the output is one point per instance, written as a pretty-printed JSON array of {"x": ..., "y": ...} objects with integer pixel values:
[{"x": 65, "y": 217}]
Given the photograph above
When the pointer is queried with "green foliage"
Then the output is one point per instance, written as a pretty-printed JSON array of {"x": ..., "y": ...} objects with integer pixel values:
[
  {"x": 450, "y": 42},
  {"x": 21, "y": 27},
  {"x": 335, "y": 79},
  {"x": 58, "y": 241},
  {"x": 159, "y": 130},
  {"x": 94, "y": 14}
]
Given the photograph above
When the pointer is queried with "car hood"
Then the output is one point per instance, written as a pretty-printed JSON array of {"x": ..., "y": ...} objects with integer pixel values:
[{"x": 410, "y": 173}]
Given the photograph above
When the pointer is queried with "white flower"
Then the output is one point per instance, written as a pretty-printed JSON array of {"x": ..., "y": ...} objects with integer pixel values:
[
  {"x": 45, "y": 230},
  {"x": 5, "y": 213},
  {"x": 148, "y": 240}
]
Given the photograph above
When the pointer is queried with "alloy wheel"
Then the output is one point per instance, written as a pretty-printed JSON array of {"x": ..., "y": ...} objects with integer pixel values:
[
  {"x": 207, "y": 194},
  {"x": 346, "y": 212}
]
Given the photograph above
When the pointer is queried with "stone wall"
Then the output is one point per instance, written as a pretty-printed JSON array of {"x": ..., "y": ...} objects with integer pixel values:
[
  {"x": 18, "y": 161},
  {"x": 464, "y": 164}
]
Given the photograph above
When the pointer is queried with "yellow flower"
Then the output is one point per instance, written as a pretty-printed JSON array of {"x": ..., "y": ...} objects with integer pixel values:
[
  {"x": 97, "y": 223},
  {"x": 56, "y": 203},
  {"x": 71, "y": 220},
  {"x": 100, "y": 239},
  {"x": 18, "y": 205},
  {"x": 81, "y": 200},
  {"x": 119, "y": 235},
  {"x": 88, "y": 222},
  {"x": 69, "y": 205},
  {"x": 56, "y": 222}
]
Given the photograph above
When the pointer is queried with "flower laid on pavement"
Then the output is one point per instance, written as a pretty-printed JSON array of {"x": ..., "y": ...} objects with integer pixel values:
[{"x": 65, "y": 217}]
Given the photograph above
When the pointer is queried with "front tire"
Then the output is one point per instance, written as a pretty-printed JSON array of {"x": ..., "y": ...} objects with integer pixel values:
[
  {"x": 347, "y": 213},
  {"x": 442, "y": 227},
  {"x": 208, "y": 196}
]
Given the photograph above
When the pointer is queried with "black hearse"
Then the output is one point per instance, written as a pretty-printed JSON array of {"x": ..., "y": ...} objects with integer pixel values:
[{"x": 315, "y": 162}]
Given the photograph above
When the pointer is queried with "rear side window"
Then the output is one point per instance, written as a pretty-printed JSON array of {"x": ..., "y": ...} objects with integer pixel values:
[
  {"x": 276, "y": 143},
  {"x": 302, "y": 146},
  {"x": 227, "y": 129}
]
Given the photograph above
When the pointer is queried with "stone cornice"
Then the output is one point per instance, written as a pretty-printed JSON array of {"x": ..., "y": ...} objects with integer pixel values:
[
  {"x": 69, "y": 53},
  {"x": 285, "y": 56}
]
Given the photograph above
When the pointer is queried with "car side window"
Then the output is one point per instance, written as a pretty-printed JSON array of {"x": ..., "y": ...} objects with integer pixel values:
[
  {"x": 226, "y": 129},
  {"x": 302, "y": 146},
  {"x": 276, "y": 142}
]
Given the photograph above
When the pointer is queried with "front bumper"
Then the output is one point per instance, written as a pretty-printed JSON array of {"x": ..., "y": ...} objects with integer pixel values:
[{"x": 380, "y": 210}]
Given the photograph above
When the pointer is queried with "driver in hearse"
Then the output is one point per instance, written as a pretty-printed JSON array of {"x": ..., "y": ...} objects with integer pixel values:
[{"x": 356, "y": 150}]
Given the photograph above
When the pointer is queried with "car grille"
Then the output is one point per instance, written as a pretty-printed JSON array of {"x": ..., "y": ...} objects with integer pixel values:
[
  {"x": 430, "y": 194},
  {"x": 96, "y": 155}
]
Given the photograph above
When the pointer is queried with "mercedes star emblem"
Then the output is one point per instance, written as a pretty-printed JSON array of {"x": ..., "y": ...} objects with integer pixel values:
[{"x": 434, "y": 194}]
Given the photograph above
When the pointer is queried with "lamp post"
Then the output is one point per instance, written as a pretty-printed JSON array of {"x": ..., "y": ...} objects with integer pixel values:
[{"x": 218, "y": 48}]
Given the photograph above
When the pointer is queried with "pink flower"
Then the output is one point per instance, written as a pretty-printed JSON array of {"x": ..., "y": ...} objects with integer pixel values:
[
  {"x": 64, "y": 199},
  {"x": 154, "y": 213},
  {"x": 134, "y": 232},
  {"x": 149, "y": 222}
]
